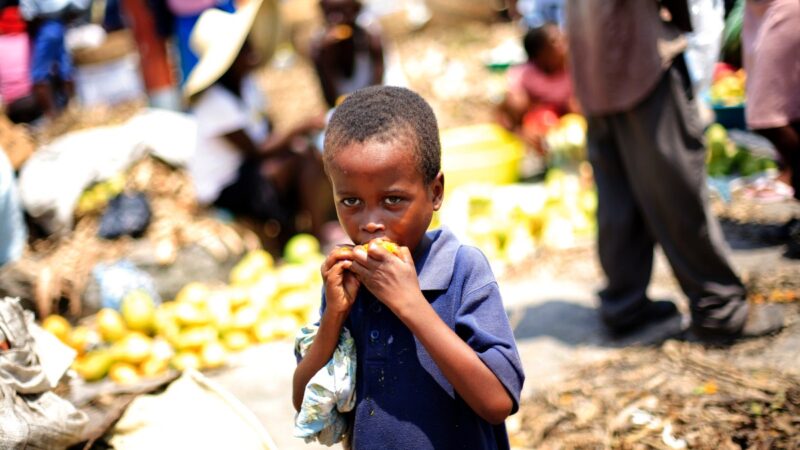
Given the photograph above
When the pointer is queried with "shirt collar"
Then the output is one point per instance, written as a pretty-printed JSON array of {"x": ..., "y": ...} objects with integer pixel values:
[{"x": 435, "y": 259}]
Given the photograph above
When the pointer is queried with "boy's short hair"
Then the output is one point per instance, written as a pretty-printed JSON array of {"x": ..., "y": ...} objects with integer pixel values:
[
  {"x": 384, "y": 114},
  {"x": 535, "y": 39}
]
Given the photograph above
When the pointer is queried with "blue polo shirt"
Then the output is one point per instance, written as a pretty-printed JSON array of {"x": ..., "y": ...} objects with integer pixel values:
[{"x": 403, "y": 399}]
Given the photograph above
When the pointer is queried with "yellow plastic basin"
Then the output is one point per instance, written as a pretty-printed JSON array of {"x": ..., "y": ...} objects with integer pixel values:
[{"x": 484, "y": 153}]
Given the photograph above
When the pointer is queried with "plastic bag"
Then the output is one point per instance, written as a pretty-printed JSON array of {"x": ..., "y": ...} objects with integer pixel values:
[
  {"x": 31, "y": 415},
  {"x": 126, "y": 215}
]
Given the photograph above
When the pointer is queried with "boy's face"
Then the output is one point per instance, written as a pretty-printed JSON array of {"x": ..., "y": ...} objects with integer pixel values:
[{"x": 379, "y": 191}]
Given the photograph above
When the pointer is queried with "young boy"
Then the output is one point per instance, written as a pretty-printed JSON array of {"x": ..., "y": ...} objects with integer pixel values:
[{"x": 437, "y": 365}]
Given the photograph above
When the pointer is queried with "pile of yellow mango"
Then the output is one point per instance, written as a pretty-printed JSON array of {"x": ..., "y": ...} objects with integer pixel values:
[{"x": 205, "y": 322}]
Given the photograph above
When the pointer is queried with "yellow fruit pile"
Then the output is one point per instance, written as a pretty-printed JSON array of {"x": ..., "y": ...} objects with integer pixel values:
[
  {"x": 509, "y": 223},
  {"x": 263, "y": 302},
  {"x": 729, "y": 89}
]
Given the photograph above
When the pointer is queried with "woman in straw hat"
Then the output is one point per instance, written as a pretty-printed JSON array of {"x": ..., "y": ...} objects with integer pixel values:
[{"x": 239, "y": 164}]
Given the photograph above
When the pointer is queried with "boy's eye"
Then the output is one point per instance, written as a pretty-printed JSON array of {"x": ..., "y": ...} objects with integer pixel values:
[
  {"x": 349, "y": 201},
  {"x": 393, "y": 200}
]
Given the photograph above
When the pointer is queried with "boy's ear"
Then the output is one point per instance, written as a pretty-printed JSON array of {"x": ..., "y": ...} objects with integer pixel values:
[{"x": 437, "y": 191}]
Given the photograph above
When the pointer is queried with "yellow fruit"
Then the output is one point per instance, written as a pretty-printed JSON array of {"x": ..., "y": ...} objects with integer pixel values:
[
  {"x": 300, "y": 247},
  {"x": 285, "y": 326},
  {"x": 110, "y": 324},
  {"x": 186, "y": 360},
  {"x": 164, "y": 317},
  {"x": 133, "y": 348},
  {"x": 572, "y": 118},
  {"x": 238, "y": 296},
  {"x": 251, "y": 267},
  {"x": 153, "y": 366},
  {"x": 93, "y": 365},
  {"x": 58, "y": 326},
  {"x": 297, "y": 301},
  {"x": 213, "y": 355},
  {"x": 194, "y": 293},
  {"x": 219, "y": 308},
  {"x": 196, "y": 337},
  {"x": 82, "y": 338},
  {"x": 245, "y": 317},
  {"x": 236, "y": 340},
  {"x": 390, "y": 246},
  {"x": 123, "y": 373},
  {"x": 138, "y": 310},
  {"x": 261, "y": 293},
  {"x": 293, "y": 276},
  {"x": 162, "y": 349},
  {"x": 264, "y": 330},
  {"x": 191, "y": 314}
]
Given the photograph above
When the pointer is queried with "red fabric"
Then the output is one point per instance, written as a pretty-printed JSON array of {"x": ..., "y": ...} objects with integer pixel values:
[{"x": 11, "y": 21}]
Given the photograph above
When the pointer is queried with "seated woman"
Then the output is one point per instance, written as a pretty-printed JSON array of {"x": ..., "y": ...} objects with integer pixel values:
[
  {"x": 240, "y": 165},
  {"x": 541, "y": 83},
  {"x": 347, "y": 57}
]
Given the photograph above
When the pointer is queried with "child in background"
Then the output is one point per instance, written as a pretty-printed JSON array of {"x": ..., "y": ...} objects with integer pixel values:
[
  {"x": 437, "y": 366},
  {"x": 542, "y": 83},
  {"x": 347, "y": 57},
  {"x": 240, "y": 164},
  {"x": 51, "y": 63}
]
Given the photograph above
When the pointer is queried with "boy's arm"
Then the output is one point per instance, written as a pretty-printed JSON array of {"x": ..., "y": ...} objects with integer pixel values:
[
  {"x": 340, "y": 293},
  {"x": 471, "y": 378},
  {"x": 318, "y": 354}
]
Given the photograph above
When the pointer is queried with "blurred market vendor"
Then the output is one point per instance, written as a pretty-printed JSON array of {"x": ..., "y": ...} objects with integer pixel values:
[
  {"x": 646, "y": 148},
  {"x": 346, "y": 55},
  {"x": 186, "y": 13},
  {"x": 770, "y": 42},
  {"x": 51, "y": 63},
  {"x": 16, "y": 90},
  {"x": 240, "y": 165}
]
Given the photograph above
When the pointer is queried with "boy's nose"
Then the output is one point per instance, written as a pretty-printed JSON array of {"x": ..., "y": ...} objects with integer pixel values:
[{"x": 373, "y": 227}]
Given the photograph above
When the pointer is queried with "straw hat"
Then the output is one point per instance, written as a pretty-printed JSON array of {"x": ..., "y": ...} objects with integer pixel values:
[{"x": 218, "y": 36}]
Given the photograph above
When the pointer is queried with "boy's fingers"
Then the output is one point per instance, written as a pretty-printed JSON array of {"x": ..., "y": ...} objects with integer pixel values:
[
  {"x": 336, "y": 255},
  {"x": 359, "y": 270},
  {"x": 405, "y": 255},
  {"x": 378, "y": 252}
]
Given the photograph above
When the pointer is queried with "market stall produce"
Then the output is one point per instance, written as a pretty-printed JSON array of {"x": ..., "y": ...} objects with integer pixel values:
[{"x": 205, "y": 322}]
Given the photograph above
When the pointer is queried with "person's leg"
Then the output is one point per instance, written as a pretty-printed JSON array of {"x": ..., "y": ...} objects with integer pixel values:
[
  {"x": 66, "y": 71},
  {"x": 625, "y": 245},
  {"x": 786, "y": 141},
  {"x": 45, "y": 56},
  {"x": 661, "y": 147}
]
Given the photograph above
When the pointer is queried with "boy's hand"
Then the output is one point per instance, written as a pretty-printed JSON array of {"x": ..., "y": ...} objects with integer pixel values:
[
  {"x": 341, "y": 285},
  {"x": 387, "y": 274}
]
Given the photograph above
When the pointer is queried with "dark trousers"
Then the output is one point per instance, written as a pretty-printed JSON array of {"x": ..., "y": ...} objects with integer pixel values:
[{"x": 649, "y": 165}]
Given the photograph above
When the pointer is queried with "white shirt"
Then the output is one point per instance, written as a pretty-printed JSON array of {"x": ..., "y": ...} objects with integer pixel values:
[
  {"x": 216, "y": 162},
  {"x": 30, "y": 9}
]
